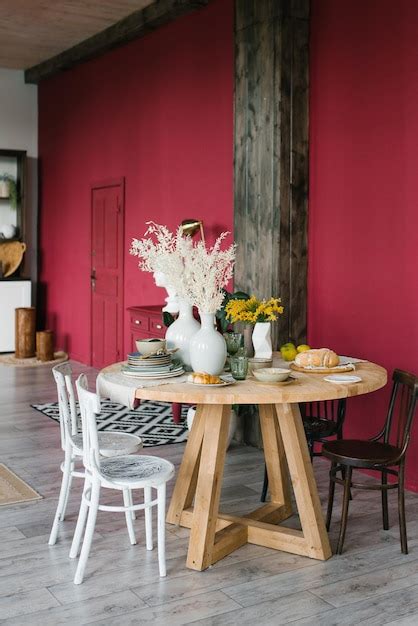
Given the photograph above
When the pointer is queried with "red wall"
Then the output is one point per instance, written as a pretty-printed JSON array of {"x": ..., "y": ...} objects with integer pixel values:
[
  {"x": 159, "y": 112},
  {"x": 363, "y": 222}
]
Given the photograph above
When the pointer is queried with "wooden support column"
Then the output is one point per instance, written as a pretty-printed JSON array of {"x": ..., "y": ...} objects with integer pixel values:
[
  {"x": 271, "y": 154},
  {"x": 271, "y": 161}
]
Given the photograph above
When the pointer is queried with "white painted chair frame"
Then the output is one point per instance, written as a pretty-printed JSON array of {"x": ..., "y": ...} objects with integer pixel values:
[
  {"x": 126, "y": 443},
  {"x": 159, "y": 472}
]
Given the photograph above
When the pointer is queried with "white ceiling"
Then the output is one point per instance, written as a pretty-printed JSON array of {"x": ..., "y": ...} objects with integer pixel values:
[{"x": 33, "y": 31}]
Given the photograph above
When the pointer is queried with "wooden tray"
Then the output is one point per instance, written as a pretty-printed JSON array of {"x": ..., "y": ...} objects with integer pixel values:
[
  {"x": 11, "y": 255},
  {"x": 324, "y": 370}
]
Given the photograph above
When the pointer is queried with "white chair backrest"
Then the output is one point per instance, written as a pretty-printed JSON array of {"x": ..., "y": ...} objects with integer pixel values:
[
  {"x": 89, "y": 407},
  {"x": 66, "y": 402}
]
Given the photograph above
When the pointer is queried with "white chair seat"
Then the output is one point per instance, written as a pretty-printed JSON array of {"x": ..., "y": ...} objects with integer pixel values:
[
  {"x": 135, "y": 470},
  {"x": 112, "y": 444}
]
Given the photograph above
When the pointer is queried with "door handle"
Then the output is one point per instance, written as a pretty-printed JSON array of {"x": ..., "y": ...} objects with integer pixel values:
[{"x": 93, "y": 279}]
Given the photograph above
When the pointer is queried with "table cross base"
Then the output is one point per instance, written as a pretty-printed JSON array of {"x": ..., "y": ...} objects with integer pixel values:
[{"x": 213, "y": 534}]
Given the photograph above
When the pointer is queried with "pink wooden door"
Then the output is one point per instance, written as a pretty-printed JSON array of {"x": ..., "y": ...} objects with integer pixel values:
[{"x": 107, "y": 273}]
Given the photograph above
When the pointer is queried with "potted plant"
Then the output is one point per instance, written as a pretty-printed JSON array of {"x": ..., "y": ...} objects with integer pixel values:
[{"x": 8, "y": 189}]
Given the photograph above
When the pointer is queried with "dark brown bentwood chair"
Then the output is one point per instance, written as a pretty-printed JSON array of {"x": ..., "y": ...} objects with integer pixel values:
[
  {"x": 321, "y": 420},
  {"x": 377, "y": 454}
]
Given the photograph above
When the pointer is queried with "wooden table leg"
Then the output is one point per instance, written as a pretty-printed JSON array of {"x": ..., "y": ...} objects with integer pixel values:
[
  {"x": 206, "y": 506},
  {"x": 274, "y": 455},
  {"x": 303, "y": 480},
  {"x": 185, "y": 486}
]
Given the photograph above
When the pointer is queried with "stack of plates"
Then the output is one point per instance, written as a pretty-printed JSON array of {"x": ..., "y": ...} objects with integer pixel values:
[{"x": 158, "y": 366}]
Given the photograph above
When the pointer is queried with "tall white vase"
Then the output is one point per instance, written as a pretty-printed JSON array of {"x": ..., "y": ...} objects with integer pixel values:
[
  {"x": 180, "y": 332},
  {"x": 262, "y": 340},
  {"x": 208, "y": 347}
]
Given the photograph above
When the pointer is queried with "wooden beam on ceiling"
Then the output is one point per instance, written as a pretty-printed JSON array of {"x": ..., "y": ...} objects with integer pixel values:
[{"x": 133, "y": 26}]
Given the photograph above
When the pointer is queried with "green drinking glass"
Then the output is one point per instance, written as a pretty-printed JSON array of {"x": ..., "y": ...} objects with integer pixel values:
[
  {"x": 239, "y": 367},
  {"x": 233, "y": 342}
]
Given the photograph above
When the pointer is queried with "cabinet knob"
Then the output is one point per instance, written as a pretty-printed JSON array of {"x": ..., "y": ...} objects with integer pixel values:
[
  {"x": 137, "y": 322},
  {"x": 158, "y": 326}
]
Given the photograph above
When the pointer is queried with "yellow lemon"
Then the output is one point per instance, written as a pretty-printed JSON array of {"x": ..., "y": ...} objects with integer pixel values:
[
  {"x": 303, "y": 347},
  {"x": 289, "y": 354}
]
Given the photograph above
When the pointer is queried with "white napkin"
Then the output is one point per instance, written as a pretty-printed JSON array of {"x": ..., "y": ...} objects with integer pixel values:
[{"x": 121, "y": 389}]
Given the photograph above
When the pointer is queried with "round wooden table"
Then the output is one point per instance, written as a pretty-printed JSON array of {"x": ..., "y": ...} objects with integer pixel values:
[{"x": 213, "y": 534}]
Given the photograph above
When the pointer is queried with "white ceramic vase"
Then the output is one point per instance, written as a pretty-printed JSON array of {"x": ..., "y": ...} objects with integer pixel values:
[
  {"x": 180, "y": 332},
  {"x": 232, "y": 424},
  {"x": 208, "y": 347},
  {"x": 262, "y": 340}
]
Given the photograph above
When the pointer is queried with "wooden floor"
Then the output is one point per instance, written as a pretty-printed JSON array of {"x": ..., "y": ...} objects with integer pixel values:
[{"x": 372, "y": 583}]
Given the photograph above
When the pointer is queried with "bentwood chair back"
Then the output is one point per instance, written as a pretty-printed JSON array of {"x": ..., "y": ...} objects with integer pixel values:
[
  {"x": 123, "y": 473},
  {"x": 383, "y": 453},
  {"x": 397, "y": 428},
  {"x": 66, "y": 403}
]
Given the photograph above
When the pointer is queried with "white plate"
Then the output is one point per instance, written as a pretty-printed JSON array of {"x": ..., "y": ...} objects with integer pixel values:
[
  {"x": 342, "y": 379},
  {"x": 153, "y": 376},
  {"x": 227, "y": 380}
]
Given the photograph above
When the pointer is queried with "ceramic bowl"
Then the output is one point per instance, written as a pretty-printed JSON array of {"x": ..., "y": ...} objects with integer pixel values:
[
  {"x": 256, "y": 364},
  {"x": 271, "y": 374},
  {"x": 148, "y": 346}
]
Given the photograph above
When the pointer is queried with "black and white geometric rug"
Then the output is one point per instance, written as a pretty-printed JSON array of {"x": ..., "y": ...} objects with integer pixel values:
[{"x": 152, "y": 421}]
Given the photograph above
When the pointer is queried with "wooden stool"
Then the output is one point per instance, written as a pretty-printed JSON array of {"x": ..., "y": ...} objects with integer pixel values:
[
  {"x": 45, "y": 345},
  {"x": 25, "y": 325}
]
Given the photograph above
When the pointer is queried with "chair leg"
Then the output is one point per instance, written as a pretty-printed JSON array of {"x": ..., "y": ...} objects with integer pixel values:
[
  {"x": 385, "y": 511},
  {"x": 265, "y": 485},
  {"x": 343, "y": 473},
  {"x": 70, "y": 480},
  {"x": 330, "y": 495},
  {"x": 176, "y": 408},
  {"x": 81, "y": 522},
  {"x": 63, "y": 497},
  {"x": 133, "y": 514},
  {"x": 311, "y": 448},
  {"x": 129, "y": 523},
  {"x": 88, "y": 535},
  {"x": 344, "y": 514},
  {"x": 148, "y": 519},
  {"x": 401, "y": 505},
  {"x": 161, "y": 529}
]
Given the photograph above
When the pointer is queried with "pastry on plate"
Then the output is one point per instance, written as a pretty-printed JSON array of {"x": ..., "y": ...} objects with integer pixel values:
[{"x": 201, "y": 378}]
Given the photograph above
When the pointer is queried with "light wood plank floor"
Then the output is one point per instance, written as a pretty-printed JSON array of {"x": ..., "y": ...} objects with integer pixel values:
[{"x": 372, "y": 583}]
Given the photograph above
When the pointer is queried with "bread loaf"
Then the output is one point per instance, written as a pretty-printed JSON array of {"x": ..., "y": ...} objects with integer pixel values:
[
  {"x": 323, "y": 357},
  {"x": 202, "y": 378}
]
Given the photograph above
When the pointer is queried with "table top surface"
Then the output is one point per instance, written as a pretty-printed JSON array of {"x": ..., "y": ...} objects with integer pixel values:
[{"x": 307, "y": 387}]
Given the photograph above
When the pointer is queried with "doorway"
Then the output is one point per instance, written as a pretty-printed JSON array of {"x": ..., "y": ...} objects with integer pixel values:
[{"x": 106, "y": 272}]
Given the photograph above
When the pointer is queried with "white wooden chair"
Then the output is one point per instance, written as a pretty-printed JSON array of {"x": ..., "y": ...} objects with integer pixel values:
[
  {"x": 122, "y": 473},
  {"x": 110, "y": 444}
]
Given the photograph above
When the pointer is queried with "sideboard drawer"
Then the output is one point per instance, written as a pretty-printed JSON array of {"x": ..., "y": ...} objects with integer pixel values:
[
  {"x": 156, "y": 326},
  {"x": 140, "y": 322}
]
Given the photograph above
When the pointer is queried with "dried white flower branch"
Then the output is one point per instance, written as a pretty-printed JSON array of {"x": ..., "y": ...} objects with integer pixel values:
[{"x": 196, "y": 273}]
